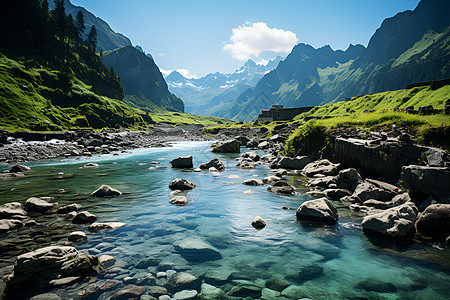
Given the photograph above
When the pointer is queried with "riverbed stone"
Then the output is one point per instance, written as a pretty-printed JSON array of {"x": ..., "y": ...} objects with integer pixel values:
[
  {"x": 19, "y": 169},
  {"x": 84, "y": 217},
  {"x": 91, "y": 165},
  {"x": 423, "y": 181},
  {"x": 336, "y": 193},
  {"x": 69, "y": 208},
  {"x": 253, "y": 181},
  {"x": 213, "y": 163},
  {"x": 258, "y": 223},
  {"x": 183, "y": 280},
  {"x": 281, "y": 187},
  {"x": 106, "y": 191},
  {"x": 252, "y": 155},
  {"x": 179, "y": 200},
  {"x": 46, "y": 296},
  {"x": 374, "y": 189},
  {"x": 210, "y": 292},
  {"x": 320, "y": 210},
  {"x": 106, "y": 260},
  {"x": 11, "y": 209},
  {"x": 9, "y": 224},
  {"x": 296, "y": 163},
  {"x": 348, "y": 179},
  {"x": 323, "y": 166},
  {"x": 230, "y": 146},
  {"x": 194, "y": 249},
  {"x": 96, "y": 227},
  {"x": 269, "y": 294},
  {"x": 76, "y": 236},
  {"x": 129, "y": 292},
  {"x": 277, "y": 283},
  {"x": 35, "y": 204},
  {"x": 185, "y": 295},
  {"x": 156, "y": 290},
  {"x": 434, "y": 221},
  {"x": 396, "y": 222},
  {"x": 271, "y": 179},
  {"x": 181, "y": 184},
  {"x": 182, "y": 162}
]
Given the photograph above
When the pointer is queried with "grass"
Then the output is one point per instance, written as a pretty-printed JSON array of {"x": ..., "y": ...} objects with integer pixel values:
[{"x": 186, "y": 119}]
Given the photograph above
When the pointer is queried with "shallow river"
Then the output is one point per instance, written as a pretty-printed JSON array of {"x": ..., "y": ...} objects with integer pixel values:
[{"x": 321, "y": 262}]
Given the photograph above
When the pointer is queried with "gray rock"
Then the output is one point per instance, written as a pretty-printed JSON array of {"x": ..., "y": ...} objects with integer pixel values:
[
  {"x": 296, "y": 163},
  {"x": 277, "y": 283},
  {"x": 91, "y": 165},
  {"x": 69, "y": 208},
  {"x": 251, "y": 155},
  {"x": 157, "y": 291},
  {"x": 348, "y": 179},
  {"x": 210, "y": 292},
  {"x": 323, "y": 182},
  {"x": 96, "y": 227},
  {"x": 196, "y": 250},
  {"x": 182, "y": 162},
  {"x": 46, "y": 296},
  {"x": 258, "y": 223},
  {"x": 76, "y": 236},
  {"x": 185, "y": 295},
  {"x": 181, "y": 184},
  {"x": 271, "y": 179},
  {"x": 10, "y": 209},
  {"x": 106, "y": 191},
  {"x": 213, "y": 163},
  {"x": 106, "y": 260},
  {"x": 323, "y": 166},
  {"x": 19, "y": 169},
  {"x": 269, "y": 294},
  {"x": 129, "y": 292},
  {"x": 396, "y": 222},
  {"x": 374, "y": 189},
  {"x": 336, "y": 193},
  {"x": 231, "y": 146},
  {"x": 434, "y": 221},
  {"x": 183, "y": 280},
  {"x": 84, "y": 217},
  {"x": 34, "y": 204},
  {"x": 179, "y": 200},
  {"x": 281, "y": 187},
  {"x": 318, "y": 210},
  {"x": 422, "y": 181},
  {"x": 253, "y": 181},
  {"x": 7, "y": 224},
  {"x": 264, "y": 145},
  {"x": 437, "y": 157}
]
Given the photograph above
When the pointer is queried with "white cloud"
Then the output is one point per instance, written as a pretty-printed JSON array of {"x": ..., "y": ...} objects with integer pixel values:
[
  {"x": 251, "y": 39},
  {"x": 165, "y": 72},
  {"x": 160, "y": 54},
  {"x": 187, "y": 74},
  {"x": 262, "y": 62}
]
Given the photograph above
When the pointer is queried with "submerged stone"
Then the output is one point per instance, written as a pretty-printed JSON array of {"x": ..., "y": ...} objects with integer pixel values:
[{"x": 194, "y": 249}]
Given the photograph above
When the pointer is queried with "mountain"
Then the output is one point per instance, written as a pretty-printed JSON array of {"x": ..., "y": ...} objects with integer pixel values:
[
  {"x": 205, "y": 95},
  {"x": 142, "y": 81},
  {"x": 107, "y": 39},
  {"x": 412, "y": 46}
]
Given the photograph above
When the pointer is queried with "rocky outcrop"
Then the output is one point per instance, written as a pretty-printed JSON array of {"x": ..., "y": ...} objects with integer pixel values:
[
  {"x": 106, "y": 191},
  {"x": 34, "y": 204},
  {"x": 296, "y": 163},
  {"x": 181, "y": 184},
  {"x": 348, "y": 179},
  {"x": 383, "y": 159},
  {"x": 281, "y": 187},
  {"x": 19, "y": 169},
  {"x": 37, "y": 268},
  {"x": 182, "y": 162},
  {"x": 9, "y": 210},
  {"x": 375, "y": 189},
  {"x": 423, "y": 181},
  {"x": 318, "y": 210},
  {"x": 213, "y": 163},
  {"x": 396, "y": 222},
  {"x": 9, "y": 224},
  {"x": 231, "y": 146},
  {"x": 434, "y": 221},
  {"x": 323, "y": 166}
]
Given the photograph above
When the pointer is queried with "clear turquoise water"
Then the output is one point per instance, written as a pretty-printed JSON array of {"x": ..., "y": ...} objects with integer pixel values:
[{"x": 220, "y": 214}]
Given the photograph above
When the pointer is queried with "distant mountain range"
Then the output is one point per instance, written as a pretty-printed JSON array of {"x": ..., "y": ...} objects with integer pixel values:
[
  {"x": 143, "y": 84},
  {"x": 207, "y": 94},
  {"x": 412, "y": 46}
]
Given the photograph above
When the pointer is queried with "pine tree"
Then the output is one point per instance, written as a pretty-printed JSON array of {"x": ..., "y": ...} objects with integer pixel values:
[
  {"x": 59, "y": 14},
  {"x": 28, "y": 46},
  {"x": 71, "y": 28},
  {"x": 92, "y": 38},
  {"x": 79, "y": 23},
  {"x": 44, "y": 6}
]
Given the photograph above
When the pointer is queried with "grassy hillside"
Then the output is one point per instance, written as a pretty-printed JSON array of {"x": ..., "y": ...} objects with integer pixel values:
[{"x": 186, "y": 119}]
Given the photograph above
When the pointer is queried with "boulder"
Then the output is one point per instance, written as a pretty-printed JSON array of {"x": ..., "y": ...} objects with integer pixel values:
[
  {"x": 6, "y": 225},
  {"x": 157, "y": 291},
  {"x": 213, "y": 163},
  {"x": 336, "y": 193},
  {"x": 277, "y": 283},
  {"x": 37, "y": 268},
  {"x": 348, "y": 179},
  {"x": 318, "y": 210},
  {"x": 183, "y": 280},
  {"x": 76, "y": 236},
  {"x": 271, "y": 179},
  {"x": 106, "y": 191},
  {"x": 281, "y": 187},
  {"x": 231, "y": 146},
  {"x": 129, "y": 292},
  {"x": 422, "y": 181},
  {"x": 323, "y": 182},
  {"x": 374, "y": 189},
  {"x": 258, "y": 223},
  {"x": 91, "y": 165},
  {"x": 179, "y": 200},
  {"x": 69, "y": 208},
  {"x": 296, "y": 163},
  {"x": 264, "y": 145},
  {"x": 185, "y": 295},
  {"x": 11, "y": 209},
  {"x": 323, "y": 166},
  {"x": 19, "y": 169},
  {"x": 46, "y": 296},
  {"x": 181, "y": 184},
  {"x": 34, "y": 204},
  {"x": 253, "y": 181},
  {"x": 437, "y": 158},
  {"x": 96, "y": 227},
  {"x": 84, "y": 217},
  {"x": 210, "y": 292},
  {"x": 434, "y": 221},
  {"x": 251, "y": 155},
  {"x": 182, "y": 162},
  {"x": 396, "y": 222},
  {"x": 245, "y": 165},
  {"x": 196, "y": 250}
]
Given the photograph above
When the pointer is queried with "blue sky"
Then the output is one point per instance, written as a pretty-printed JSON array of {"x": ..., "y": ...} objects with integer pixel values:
[{"x": 198, "y": 37}]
